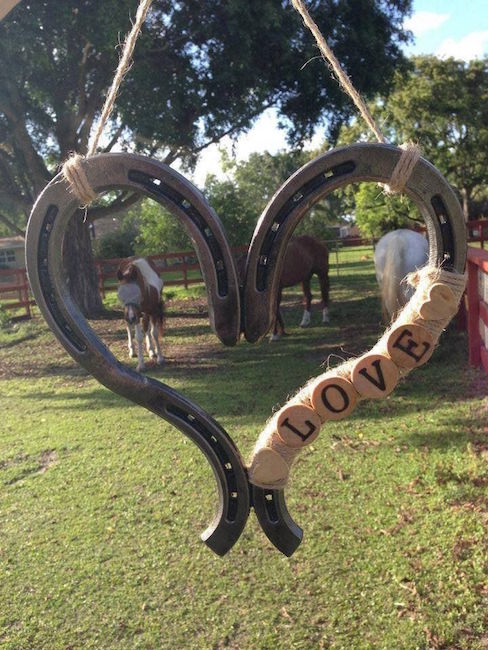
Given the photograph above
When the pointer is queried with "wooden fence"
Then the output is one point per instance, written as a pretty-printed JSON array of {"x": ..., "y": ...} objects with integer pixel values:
[
  {"x": 15, "y": 293},
  {"x": 180, "y": 268},
  {"x": 477, "y": 307},
  {"x": 478, "y": 231}
]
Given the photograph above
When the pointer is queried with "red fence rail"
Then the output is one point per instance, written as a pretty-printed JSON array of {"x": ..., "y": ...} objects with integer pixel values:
[
  {"x": 15, "y": 292},
  {"x": 179, "y": 264},
  {"x": 477, "y": 306}
]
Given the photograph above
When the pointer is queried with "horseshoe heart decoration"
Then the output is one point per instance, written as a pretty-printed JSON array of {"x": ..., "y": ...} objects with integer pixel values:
[{"x": 228, "y": 315}]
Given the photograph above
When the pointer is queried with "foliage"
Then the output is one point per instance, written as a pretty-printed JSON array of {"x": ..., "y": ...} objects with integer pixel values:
[
  {"x": 201, "y": 70},
  {"x": 117, "y": 244},
  {"x": 158, "y": 231},
  {"x": 377, "y": 212},
  {"x": 443, "y": 104},
  {"x": 242, "y": 196}
]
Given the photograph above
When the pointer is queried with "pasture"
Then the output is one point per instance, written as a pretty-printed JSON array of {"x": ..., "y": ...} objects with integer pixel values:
[{"x": 102, "y": 503}]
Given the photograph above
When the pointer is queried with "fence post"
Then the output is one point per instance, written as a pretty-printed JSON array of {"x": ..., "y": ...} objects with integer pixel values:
[
  {"x": 101, "y": 281},
  {"x": 474, "y": 338}
]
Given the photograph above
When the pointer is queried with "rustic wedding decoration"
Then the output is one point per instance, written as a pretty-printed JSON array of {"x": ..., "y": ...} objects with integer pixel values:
[{"x": 249, "y": 309}]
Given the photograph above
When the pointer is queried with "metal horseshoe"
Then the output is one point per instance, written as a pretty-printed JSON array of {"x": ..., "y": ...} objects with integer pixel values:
[
  {"x": 431, "y": 193},
  {"x": 46, "y": 230}
]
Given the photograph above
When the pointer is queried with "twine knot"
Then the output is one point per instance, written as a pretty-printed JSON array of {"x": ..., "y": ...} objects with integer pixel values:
[
  {"x": 403, "y": 169},
  {"x": 78, "y": 181}
]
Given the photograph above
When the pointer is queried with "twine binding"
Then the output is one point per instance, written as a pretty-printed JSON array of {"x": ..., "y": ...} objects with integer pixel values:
[{"x": 424, "y": 280}]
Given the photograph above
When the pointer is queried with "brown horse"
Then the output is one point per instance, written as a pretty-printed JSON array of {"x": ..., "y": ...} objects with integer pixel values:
[
  {"x": 140, "y": 292},
  {"x": 304, "y": 257}
]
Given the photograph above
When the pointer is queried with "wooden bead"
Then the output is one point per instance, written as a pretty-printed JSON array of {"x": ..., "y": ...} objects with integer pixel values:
[
  {"x": 410, "y": 345},
  {"x": 374, "y": 375},
  {"x": 441, "y": 303},
  {"x": 268, "y": 467},
  {"x": 333, "y": 398},
  {"x": 298, "y": 425}
]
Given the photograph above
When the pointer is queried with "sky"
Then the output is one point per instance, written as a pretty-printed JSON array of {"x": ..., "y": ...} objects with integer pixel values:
[{"x": 445, "y": 28}]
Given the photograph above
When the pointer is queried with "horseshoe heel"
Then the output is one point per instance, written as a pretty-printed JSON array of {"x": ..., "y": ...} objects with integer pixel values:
[
  {"x": 355, "y": 163},
  {"x": 275, "y": 520},
  {"x": 46, "y": 230}
]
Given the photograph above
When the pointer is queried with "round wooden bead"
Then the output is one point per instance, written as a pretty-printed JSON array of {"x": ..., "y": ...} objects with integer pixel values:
[
  {"x": 333, "y": 398},
  {"x": 441, "y": 303},
  {"x": 268, "y": 467},
  {"x": 410, "y": 345},
  {"x": 374, "y": 375},
  {"x": 298, "y": 425}
]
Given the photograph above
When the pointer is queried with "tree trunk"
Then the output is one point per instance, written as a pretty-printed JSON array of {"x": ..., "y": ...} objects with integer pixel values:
[
  {"x": 465, "y": 195},
  {"x": 79, "y": 266}
]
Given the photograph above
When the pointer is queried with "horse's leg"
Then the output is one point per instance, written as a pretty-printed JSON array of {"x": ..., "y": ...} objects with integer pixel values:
[
  {"x": 140, "y": 348},
  {"x": 130, "y": 342},
  {"x": 324, "y": 289},
  {"x": 155, "y": 331},
  {"x": 279, "y": 326},
  {"x": 147, "y": 331},
  {"x": 307, "y": 293}
]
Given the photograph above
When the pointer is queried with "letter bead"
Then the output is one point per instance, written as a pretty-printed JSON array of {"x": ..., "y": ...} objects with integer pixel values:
[
  {"x": 410, "y": 346},
  {"x": 440, "y": 304},
  {"x": 298, "y": 425},
  {"x": 333, "y": 398},
  {"x": 374, "y": 376}
]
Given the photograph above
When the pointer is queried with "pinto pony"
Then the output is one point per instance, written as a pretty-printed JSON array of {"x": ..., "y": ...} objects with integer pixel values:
[
  {"x": 397, "y": 254},
  {"x": 140, "y": 292}
]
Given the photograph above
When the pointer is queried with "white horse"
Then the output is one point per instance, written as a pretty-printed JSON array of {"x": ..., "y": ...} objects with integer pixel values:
[{"x": 397, "y": 254}]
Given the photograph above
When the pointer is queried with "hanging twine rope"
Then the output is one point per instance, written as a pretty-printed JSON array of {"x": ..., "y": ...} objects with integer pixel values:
[
  {"x": 73, "y": 167},
  {"x": 410, "y": 153}
]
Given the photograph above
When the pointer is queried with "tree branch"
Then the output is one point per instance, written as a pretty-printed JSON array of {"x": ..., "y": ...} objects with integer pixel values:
[
  {"x": 120, "y": 204},
  {"x": 11, "y": 225}
]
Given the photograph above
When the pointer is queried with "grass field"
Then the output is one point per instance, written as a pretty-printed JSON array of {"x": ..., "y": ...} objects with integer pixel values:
[{"x": 102, "y": 503}]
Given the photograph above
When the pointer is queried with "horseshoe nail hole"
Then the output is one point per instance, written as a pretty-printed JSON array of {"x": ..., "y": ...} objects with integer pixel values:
[
  {"x": 219, "y": 265},
  {"x": 213, "y": 439},
  {"x": 156, "y": 181},
  {"x": 269, "y": 497},
  {"x": 185, "y": 204},
  {"x": 233, "y": 495},
  {"x": 275, "y": 226},
  {"x": 263, "y": 260},
  {"x": 329, "y": 173},
  {"x": 298, "y": 197},
  {"x": 228, "y": 466},
  {"x": 208, "y": 232},
  {"x": 191, "y": 417}
]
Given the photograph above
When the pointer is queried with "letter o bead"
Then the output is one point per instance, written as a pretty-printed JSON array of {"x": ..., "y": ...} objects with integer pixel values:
[
  {"x": 410, "y": 345},
  {"x": 374, "y": 376},
  {"x": 333, "y": 398},
  {"x": 298, "y": 425}
]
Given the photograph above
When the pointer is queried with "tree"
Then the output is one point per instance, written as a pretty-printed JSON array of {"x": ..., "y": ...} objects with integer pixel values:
[
  {"x": 201, "y": 70},
  {"x": 443, "y": 104},
  {"x": 377, "y": 212},
  {"x": 240, "y": 198}
]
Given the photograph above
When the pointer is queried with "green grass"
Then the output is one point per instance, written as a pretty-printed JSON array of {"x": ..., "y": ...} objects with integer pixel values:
[{"x": 102, "y": 503}]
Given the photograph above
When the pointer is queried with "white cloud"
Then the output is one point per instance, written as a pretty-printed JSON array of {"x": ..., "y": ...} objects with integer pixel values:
[
  {"x": 471, "y": 46},
  {"x": 425, "y": 21}
]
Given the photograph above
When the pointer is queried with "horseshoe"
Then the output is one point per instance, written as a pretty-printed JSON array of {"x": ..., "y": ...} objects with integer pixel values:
[
  {"x": 46, "y": 230},
  {"x": 431, "y": 193}
]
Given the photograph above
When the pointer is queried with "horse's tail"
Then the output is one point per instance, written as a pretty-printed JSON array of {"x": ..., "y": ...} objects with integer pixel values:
[{"x": 391, "y": 286}]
